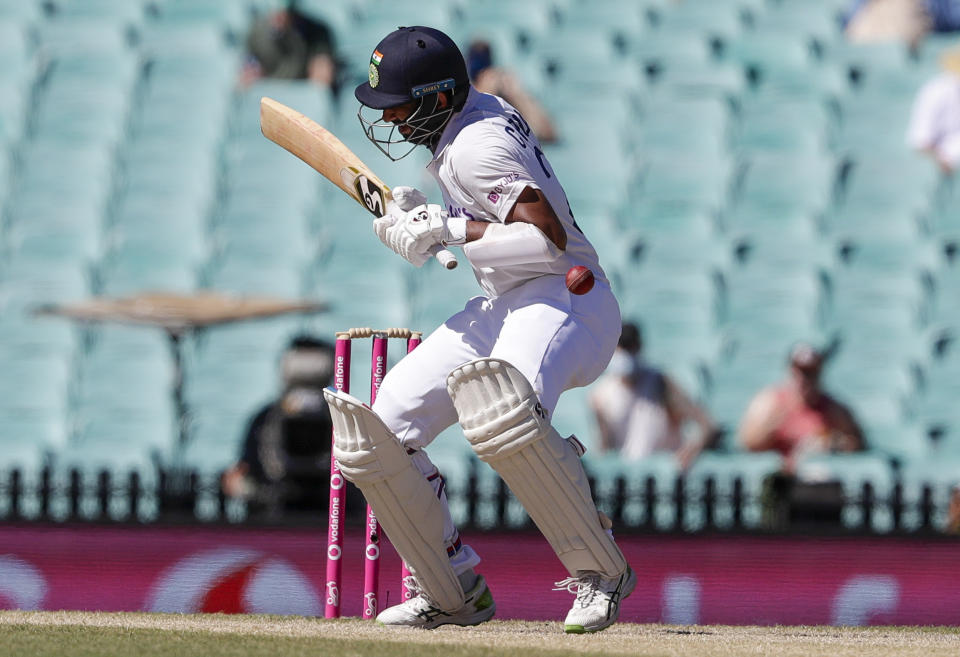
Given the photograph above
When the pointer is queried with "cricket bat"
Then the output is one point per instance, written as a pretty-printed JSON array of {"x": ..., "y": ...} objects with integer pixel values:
[{"x": 319, "y": 148}]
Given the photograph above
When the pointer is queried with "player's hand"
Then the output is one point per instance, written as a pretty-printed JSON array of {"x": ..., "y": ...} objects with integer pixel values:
[
  {"x": 409, "y": 234},
  {"x": 407, "y": 198},
  {"x": 448, "y": 230}
]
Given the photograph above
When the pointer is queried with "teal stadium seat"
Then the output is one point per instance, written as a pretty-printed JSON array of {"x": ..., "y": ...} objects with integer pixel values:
[
  {"x": 725, "y": 469},
  {"x": 789, "y": 18},
  {"x": 717, "y": 20},
  {"x": 763, "y": 300},
  {"x": 28, "y": 334},
  {"x": 120, "y": 460},
  {"x": 763, "y": 52},
  {"x": 129, "y": 12},
  {"x": 938, "y": 475},
  {"x": 42, "y": 431},
  {"x": 861, "y": 59},
  {"x": 430, "y": 307},
  {"x": 661, "y": 468},
  {"x": 28, "y": 459},
  {"x": 691, "y": 181},
  {"x": 23, "y": 11},
  {"x": 656, "y": 51},
  {"x": 781, "y": 182},
  {"x": 229, "y": 16},
  {"x": 824, "y": 82},
  {"x": 853, "y": 471}
]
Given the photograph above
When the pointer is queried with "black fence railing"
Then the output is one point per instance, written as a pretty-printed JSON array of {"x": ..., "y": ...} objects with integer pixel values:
[{"x": 481, "y": 502}]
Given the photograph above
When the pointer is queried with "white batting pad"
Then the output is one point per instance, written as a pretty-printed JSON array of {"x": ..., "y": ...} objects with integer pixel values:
[
  {"x": 405, "y": 503},
  {"x": 504, "y": 422}
]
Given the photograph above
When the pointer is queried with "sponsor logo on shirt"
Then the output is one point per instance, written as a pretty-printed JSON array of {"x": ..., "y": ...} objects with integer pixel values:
[
  {"x": 511, "y": 177},
  {"x": 460, "y": 212}
]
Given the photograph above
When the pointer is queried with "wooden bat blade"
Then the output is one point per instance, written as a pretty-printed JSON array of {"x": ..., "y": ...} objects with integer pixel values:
[
  {"x": 330, "y": 157},
  {"x": 320, "y": 148}
]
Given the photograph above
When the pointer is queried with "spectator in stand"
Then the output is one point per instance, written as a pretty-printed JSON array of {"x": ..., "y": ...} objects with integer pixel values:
[
  {"x": 639, "y": 410},
  {"x": 875, "y": 21},
  {"x": 878, "y": 21},
  {"x": 289, "y": 43},
  {"x": 496, "y": 80},
  {"x": 934, "y": 127},
  {"x": 798, "y": 416},
  {"x": 285, "y": 460}
]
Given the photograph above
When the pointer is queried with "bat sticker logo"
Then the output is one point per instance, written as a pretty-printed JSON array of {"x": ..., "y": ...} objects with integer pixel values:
[{"x": 368, "y": 192}]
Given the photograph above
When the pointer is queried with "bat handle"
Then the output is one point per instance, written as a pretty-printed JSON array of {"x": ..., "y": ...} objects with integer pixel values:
[{"x": 445, "y": 257}]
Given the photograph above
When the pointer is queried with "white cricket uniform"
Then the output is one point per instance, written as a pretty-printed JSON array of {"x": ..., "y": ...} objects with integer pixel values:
[
  {"x": 486, "y": 156},
  {"x": 935, "y": 118}
]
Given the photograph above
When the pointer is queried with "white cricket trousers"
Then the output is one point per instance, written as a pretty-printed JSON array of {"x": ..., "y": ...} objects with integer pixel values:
[{"x": 558, "y": 340}]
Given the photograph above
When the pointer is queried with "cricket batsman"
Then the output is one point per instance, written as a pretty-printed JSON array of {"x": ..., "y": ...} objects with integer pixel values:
[{"x": 499, "y": 365}]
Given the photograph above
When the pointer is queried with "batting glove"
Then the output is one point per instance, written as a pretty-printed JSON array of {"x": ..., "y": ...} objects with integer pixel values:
[{"x": 409, "y": 234}]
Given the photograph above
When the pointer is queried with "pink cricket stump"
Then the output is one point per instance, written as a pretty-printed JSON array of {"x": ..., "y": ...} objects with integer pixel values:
[
  {"x": 338, "y": 493},
  {"x": 371, "y": 552},
  {"x": 406, "y": 590}
]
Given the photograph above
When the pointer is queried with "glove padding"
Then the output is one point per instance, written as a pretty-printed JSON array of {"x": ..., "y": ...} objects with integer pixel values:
[
  {"x": 410, "y": 234},
  {"x": 448, "y": 230},
  {"x": 407, "y": 198}
]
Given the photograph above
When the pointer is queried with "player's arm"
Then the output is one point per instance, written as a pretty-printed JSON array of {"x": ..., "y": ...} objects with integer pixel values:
[{"x": 533, "y": 208}]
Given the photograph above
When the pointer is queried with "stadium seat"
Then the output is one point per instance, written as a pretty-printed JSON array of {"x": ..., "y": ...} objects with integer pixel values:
[
  {"x": 22, "y": 11},
  {"x": 789, "y": 182},
  {"x": 693, "y": 82},
  {"x": 762, "y": 52},
  {"x": 656, "y": 51},
  {"x": 28, "y": 459},
  {"x": 825, "y": 82},
  {"x": 935, "y": 476},
  {"x": 863, "y": 58},
  {"x": 790, "y": 18},
  {"x": 120, "y": 461},
  {"x": 661, "y": 469},
  {"x": 67, "y": 37},
  {"x": 771, "y": 298},
  {"x": 725, "y": 470},
  {"x": 128, "y": 12},
  {"x": 853, "y": 471},
  {"x": 714, "y": 19}
]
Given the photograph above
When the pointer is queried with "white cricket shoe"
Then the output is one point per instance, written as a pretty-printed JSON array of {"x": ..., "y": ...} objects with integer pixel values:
[
  {"x": 597, "y": 605},
  {"x": 421, "y": 612}
]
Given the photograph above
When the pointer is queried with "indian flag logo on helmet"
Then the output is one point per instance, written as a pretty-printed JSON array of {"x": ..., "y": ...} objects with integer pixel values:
[{"x": 374, "y": 72}]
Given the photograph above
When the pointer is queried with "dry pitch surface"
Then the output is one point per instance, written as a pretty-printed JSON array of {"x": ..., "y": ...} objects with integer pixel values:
[{"x": 106, "y": 634}]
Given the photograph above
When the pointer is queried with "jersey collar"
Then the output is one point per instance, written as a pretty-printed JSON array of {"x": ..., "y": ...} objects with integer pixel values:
[{"x": 457, "y": 122}]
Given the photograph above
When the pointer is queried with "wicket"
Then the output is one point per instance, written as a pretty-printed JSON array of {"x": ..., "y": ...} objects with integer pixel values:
[{"x": 335, "y": 522}]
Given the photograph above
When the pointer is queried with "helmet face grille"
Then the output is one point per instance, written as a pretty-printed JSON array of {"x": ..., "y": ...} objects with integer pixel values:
[{"x": 424, "y": 126}]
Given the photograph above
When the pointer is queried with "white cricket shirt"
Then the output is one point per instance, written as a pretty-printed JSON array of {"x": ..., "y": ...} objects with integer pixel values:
[
  {"x": 485, "y": 158},
  {"x": 935, "y": 120}
]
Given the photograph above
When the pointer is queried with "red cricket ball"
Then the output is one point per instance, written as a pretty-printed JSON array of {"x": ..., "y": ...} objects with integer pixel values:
[{"x": 579, "y": 280}]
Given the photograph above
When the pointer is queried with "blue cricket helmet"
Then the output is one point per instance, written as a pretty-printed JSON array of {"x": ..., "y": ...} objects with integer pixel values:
[{"x": 410, "y": 63}]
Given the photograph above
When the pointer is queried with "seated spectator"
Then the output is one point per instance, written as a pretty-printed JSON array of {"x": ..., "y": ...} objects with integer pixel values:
[
  {"x": 798, "y": 416},
  {"x": 934, "y": 127},
  {"x": 285, "y": 460},
  {"x": 875, "y": 21},
  {"x": 639, "y": 410},
  {"x": 290, "y": 44},
  {"x": 490, "y": 79},
  {"x": 878, "y": 21}
]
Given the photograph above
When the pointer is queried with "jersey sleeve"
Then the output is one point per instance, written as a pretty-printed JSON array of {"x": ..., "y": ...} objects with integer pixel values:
[
  {"x": 495, "y": 172},
  {"x": 922, "y": 129}
]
